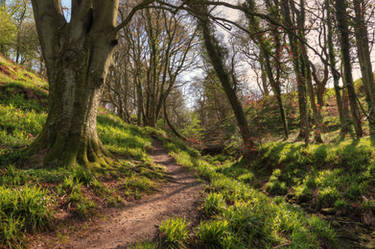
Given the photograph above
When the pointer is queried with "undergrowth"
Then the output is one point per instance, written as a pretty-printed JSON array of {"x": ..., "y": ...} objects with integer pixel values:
[
  {"x": 31, "y": 196},
  {"x": 238, "y": 215},
  {"x": 337, "y": 178}
]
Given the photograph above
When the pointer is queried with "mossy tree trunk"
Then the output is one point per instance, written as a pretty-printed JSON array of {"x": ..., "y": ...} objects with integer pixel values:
[
  {"x": 267, "y": 47},
  {"x": 77, "y": 56},
  {"x": 336, "y": 76},
  {"x": 342, "y": 26},
  {"x": 216, "y": 56},
  {"x": 361, "y": 34},
  {"x": 299, "y": 69}
]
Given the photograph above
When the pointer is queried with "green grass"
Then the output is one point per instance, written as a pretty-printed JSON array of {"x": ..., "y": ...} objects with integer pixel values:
[
  {"x": 174, "y": 233},
  {"x": 213, "y": 204},
  {"x": 31, "y": 196},
  {"x": 214, "y": 235},
  {"x": 335, "y": 175},
  {"x": 22, "y": 209},
  {"x": 240, "y": 216}
]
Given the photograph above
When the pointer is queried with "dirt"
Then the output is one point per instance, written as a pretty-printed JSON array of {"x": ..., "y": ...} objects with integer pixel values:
[
  {"x": 5, "y": 70},
  {"x": 139, "y": 220}
]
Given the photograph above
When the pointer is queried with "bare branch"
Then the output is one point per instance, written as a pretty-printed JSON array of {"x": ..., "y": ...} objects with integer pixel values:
[{"x": 127, "y": 20}]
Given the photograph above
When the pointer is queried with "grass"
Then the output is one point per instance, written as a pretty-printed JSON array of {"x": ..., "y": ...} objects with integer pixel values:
[
  {"x": 238, "y": 215},
  {"x": 333, "y": 176},
  {"x": 244, "y": 207},
  {"x": 213, "y": 204},
  {"x": 174, "y": 233},
  {"x": 30, "y": 196},
  {"x": 22, "y": 209}
]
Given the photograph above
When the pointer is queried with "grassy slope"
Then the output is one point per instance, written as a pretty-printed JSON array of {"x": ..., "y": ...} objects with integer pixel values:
[
  {"x": 236, "y": 212},
  {"x": 237, "y": 215},
  {"x": 291, "y": 197},
  {"x": 30, "y": 197}
]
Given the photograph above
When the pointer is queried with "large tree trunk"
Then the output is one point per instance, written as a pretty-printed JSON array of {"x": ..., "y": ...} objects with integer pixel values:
[
  {"x": 342, "y": 26},
  {"x": 361, "y": 35},
  {"x": 77, "y": 56}
]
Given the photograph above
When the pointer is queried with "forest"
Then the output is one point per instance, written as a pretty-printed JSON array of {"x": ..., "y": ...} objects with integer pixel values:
[{"x": 175, "y": 124}]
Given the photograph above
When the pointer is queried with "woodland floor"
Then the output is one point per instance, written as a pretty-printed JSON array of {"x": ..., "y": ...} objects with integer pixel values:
[{"x": 137, "y": 221}]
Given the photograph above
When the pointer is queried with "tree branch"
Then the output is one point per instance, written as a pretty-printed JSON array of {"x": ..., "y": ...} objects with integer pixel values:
[{"x": 127, "y": 20}]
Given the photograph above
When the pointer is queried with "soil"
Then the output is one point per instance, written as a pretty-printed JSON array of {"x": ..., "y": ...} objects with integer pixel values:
[{"x": 139, "y": 220}]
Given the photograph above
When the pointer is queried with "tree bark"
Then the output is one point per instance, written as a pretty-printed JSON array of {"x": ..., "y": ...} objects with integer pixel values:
[
  {"x": 360, "y": 28},
  {"x": 173, "y": 129},
  {"x": 299, "y": 72},
  {"x": 217, "y": 59},
  {"x": 341, "y": 17},
  {"x": 265, "y": 48},
  {"x": 336, "y": 76},
  {"x": 77, "y": 56}
]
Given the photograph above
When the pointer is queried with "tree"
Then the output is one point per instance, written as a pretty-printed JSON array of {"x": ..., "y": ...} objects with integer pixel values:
[
  {"x": 77, "y": 56},
  {"x": 342, "y": 27},
  {"x": 266, "y": 48},
  {"x": 152, "y": 54},
  {"x": 7, "y": 31},
  {"x": 216, "y": 55},
  {"x": 299, "y": 67},
  {"x": 340, "y": 98},
  {"x": 361, "y": 34}
]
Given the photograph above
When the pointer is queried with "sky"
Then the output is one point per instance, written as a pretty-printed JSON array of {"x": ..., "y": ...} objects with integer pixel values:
[{"x": 67, "y": 4}]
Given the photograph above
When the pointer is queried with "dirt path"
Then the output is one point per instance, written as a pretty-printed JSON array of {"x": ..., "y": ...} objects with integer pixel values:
[{"x": 139, "y": 220}]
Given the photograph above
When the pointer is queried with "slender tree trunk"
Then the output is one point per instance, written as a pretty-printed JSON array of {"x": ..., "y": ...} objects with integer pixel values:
[
  {"x": 139, "y": 105},
  {"x": 173, "y": 129},
  {"x": 336, "y": 76},
  {"x": 317, "y": 117},
  {"x": 217, "y": 59},
  {"x": 305, "y": 64},
  {"x": 361, "y": 35},
  {"x": 276, "y": 89},
  {"x": 341, "y": 17},
  {"x": 265, "y": 59},
  {"x": 263, "y": 75},
  {"x": 301, "y": 85}
]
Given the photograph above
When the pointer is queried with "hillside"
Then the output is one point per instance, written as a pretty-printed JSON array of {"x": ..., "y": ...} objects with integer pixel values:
[
  {"x": 33, "y": 198},
  {"x": 291, "y": 197}
]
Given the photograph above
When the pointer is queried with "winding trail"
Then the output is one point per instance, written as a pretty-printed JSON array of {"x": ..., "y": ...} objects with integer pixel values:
[{"x": 139, "y": 220}]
